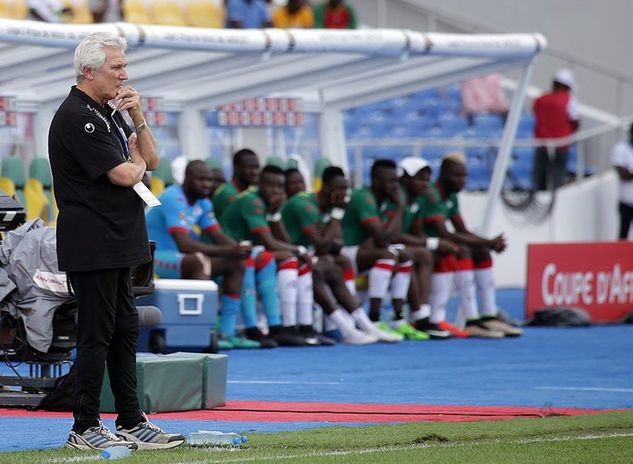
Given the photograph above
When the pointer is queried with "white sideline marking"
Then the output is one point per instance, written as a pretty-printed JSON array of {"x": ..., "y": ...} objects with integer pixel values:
[
  {"x": 281, "y": 382},
  {"x": 77, "y": 459},
  {"x": 385, "y": 449},
  {"x": 593, "y": 389}
]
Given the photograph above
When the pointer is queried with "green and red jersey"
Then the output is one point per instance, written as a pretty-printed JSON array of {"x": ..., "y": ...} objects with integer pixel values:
[
  {"x": 301, "y": 216},
  {"x": 442, "y": 208},
  {"x": 245, "y": 217}
]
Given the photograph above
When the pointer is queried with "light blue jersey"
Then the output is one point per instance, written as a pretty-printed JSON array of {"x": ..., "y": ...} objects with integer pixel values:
[{"x": 177, "y": 215}]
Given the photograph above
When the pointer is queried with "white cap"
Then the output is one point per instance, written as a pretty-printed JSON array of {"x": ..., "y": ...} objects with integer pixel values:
[
  {"x": 412, "y": 165},
  {"x": 565, "y": 77}
]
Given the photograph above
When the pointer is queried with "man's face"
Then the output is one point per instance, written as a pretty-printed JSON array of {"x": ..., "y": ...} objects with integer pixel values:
[
  {"x": 419, "y": 184},
  {"x": 217, "y": 179},
  {"x": 199, "y": 182},
  {"x": 294, "y": 184},
  {"x": 456, "y": 176},
  {"x": 386, "y": 181},
  {"x": 247, "y": 171},
  {"x": 271, "y": 185},
  {"x": 336, "y": 191},
  {"x": 109, "y": 79}
]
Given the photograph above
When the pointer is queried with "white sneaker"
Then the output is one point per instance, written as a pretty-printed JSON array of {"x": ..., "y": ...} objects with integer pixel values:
[{"x": 358, "y": 337}]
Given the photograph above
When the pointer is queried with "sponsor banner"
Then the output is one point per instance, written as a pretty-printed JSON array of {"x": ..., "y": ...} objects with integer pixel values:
[
  {"x": 7, "y": 103},
  {"x": 597, "y": 277},
  {"x": 151, "y": 103},
  {"x": 8, "y": 118},
  {"x": 254, "y": 112},
  {"x": 156, "y": 118}
]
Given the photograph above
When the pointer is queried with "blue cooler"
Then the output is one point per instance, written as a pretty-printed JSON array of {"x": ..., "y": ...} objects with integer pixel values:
[{"x": 189, "y": 312}]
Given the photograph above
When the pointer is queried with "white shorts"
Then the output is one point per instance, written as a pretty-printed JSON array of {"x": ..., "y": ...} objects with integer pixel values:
[{"x": 350, "y": 253}]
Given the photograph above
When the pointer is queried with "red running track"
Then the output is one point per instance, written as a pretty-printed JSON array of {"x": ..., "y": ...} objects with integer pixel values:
[{"x": 278, "y": 411}]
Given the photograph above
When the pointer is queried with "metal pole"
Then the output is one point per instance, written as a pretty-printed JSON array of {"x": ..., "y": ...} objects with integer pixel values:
[{"x": 505, "y": 148}]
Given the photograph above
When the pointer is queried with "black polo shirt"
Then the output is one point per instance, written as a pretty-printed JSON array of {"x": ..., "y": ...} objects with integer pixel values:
[{"x": 100, "y": 225}]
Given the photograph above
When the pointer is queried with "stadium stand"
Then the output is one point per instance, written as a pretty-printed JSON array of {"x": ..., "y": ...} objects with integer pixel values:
[
  {"x": 136, "y": 11},
  {"x": 79, "y": 11},
  {"x": 162, "y": 176},
  {"x": 13, "y": 178},
  {"x": 168, "y": 13},
  {"x": 14, "y": 9},
  {"x": 37, "y": 191},
  {"x": 204, "y": 13}
]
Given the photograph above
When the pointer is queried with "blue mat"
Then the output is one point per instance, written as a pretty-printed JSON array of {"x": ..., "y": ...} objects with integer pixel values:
[{"x": 547, "y": 367}]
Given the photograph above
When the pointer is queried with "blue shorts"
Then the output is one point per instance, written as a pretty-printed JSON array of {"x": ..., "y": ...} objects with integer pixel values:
[{"x": 167, "y": 264}]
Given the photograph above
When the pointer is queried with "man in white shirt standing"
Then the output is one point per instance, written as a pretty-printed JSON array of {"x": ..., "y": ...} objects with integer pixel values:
[{"x": 622, "y": 161}]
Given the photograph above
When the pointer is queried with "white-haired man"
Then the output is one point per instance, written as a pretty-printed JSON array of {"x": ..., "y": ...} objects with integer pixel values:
[{"x": 98, "y": 163}]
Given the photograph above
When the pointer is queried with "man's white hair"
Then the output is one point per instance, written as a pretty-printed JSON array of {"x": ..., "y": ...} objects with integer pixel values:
[{"x": 90, "y": 51}]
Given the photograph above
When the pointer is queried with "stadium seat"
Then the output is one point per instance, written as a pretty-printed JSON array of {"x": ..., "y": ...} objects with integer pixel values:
[
  {"x": 525, "y": 128},
  {"x": 214, "y": 162},
  {"x": 168, "y": 13},
  {"x": 521, "y": 174},
  {"x": 432, "y": 153},
  {"x": 80, "y": 12},
  {"x": 431, "y": 106},
  {"x": 488, "y": 122},
  {"x": 204, "y": 13},
  {"x": 399, "y": 131},
  {"x": 14, "y": 178},
  {"x": 135, "y": 11},
  {"x": 319, "y": 166},
  {"x": 276, "y": 161},
  {"x": 162, "y": 176},
  {"x": 39, "y": 197},
  {"x": 452, "y": 124},
  {"x": 454, "y": 93},
  {"x": 478, "y": 176},
  {"x": 523, "y": 155},
  {"x": 5, "y": 10},
  {"x": 13, "y": 9}
]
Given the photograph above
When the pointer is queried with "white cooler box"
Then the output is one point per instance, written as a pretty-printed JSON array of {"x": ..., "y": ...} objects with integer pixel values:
[{"x": 189, "y": 312}]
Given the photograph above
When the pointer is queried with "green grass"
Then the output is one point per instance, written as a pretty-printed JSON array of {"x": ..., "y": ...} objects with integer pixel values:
[{"x": 595, "y": 438}]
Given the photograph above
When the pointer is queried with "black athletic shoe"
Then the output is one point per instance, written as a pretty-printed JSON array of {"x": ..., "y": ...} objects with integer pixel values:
[
  {"x": 309, "y": 333},
  {"x": 254, "y": 333},
  {"x": 434, "y": 330},
  {"x": 286, "y": 336}
]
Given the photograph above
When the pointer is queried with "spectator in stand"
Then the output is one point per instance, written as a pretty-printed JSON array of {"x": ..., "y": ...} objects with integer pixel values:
[
  {"x": 556, "y": 115},
  {"x": 484, "y": 94},
  {"x": 472, "y": 273},
  {"x": 622, "y": 161},
  {"x": 247, "y": 14},
  {"x": 179, "y": 256},
  {"x": 335, "y": 14},
  {"x": 296, "y": 14},
  {"x": 49, "y": 11},
  {"x": 106, "y": 11}
]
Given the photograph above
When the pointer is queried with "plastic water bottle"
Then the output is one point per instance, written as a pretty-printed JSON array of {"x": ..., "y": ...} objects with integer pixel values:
[
  {"x": 214, "y": 437},
  {"x": 116, "y": 452}
]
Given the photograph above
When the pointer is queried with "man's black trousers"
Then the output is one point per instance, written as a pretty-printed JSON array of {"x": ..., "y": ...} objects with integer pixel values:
[{"x": 107, "y": 331}]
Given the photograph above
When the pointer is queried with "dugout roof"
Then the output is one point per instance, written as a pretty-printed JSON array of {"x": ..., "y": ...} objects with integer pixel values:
[
  {"x": 206, "y": 67},
  {"x": 198, "y": 69}
]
